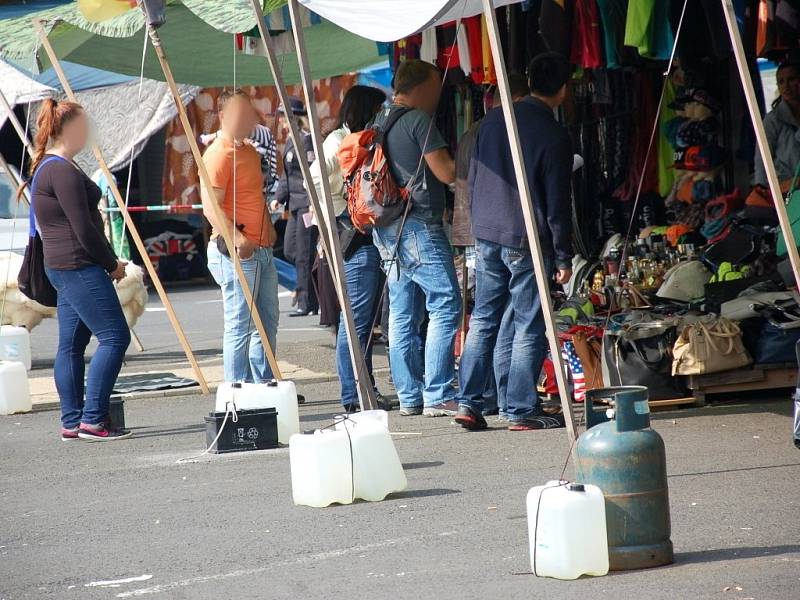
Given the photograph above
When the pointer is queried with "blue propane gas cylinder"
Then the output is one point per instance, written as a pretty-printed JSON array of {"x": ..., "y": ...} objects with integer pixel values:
[{"x": 621, "y": 455}]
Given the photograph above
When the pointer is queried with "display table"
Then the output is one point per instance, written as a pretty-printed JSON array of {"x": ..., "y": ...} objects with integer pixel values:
[{"x": 758, "y": 377}]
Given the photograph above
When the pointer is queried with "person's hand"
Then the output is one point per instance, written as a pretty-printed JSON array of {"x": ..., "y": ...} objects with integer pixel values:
[
  {"x": 245, "y": 249},
  {"x": 275, "y": 206},
  {"x": 118, "y": 274},
  {"x": 563, "y": 276}
]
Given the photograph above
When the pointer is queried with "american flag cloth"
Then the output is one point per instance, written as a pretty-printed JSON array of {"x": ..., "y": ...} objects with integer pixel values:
[{"x": 576, "y": 370}]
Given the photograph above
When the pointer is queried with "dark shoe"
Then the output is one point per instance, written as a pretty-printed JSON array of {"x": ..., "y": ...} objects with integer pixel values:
[
  {"x": 383, "y": 403},
  {"x": 443, "y": 409},
  {"x": 69, "y": 434},
  {"x": 797, "y": 443},
  {"x": 301, "y": 313},
  {"x": 410, "y": 411},
  {"x": 490, "y": 412},
  {"x": 301, "y": 399},
  {"x": 536, "y": 422},
  {"x": 101, "y": 433},
  {"x": 469, "y": 419},
  {"x": 351, "y": 408}
]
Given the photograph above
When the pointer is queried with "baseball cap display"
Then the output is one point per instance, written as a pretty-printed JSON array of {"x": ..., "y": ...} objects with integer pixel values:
[
  {"x": 685, "y": 282},
  {"x": 698, "y": 158}
]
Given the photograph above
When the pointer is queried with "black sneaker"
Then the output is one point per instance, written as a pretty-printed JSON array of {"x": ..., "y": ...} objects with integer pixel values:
[
  {"x": 797, "y": 443},
  {"x": 102, "y": 433},
  {"x": 536, "y": 422},
  {"x": 469, "y": 419},
  {"x": 383, "y": 403},
  {"x": 351, "y": 408}
]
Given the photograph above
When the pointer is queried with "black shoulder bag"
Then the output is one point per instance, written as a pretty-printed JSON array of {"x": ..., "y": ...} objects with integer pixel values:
[{"x": 32, "y": 279}]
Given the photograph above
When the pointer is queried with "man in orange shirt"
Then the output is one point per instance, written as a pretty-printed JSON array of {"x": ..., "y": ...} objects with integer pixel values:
[{"x": 235, "y": 170}]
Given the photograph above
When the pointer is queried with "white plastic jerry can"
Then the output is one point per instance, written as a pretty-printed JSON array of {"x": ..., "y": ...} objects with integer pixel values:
[
  {"x": 377, "y": 470},
  {"x": 322, "y": 469},
  {"x": 280, "y": 395},
  {"x": 567, "y": 529},
  {"x": 15, "y": 345},
  {"x": 15, "y": 395},
  {"x": 381, "y": 417}
]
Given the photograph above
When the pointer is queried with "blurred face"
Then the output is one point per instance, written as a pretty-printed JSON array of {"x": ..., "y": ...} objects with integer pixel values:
[
  {"x": 75, "y": 133},
  {"x": 426, "y": 96},
  {"x": 238, "y": 118},
  {"x": 788, "y": 80}
]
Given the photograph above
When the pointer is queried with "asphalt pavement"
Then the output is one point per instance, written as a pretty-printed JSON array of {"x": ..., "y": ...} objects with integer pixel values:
[{"x": 125, "y": 520}]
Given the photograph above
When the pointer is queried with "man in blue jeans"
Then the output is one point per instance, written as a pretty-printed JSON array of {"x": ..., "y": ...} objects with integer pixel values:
[
  {"x": 423, "y": 275},
  {"x": 504, "y": 263},
  {"x": 235, "y": 171}
]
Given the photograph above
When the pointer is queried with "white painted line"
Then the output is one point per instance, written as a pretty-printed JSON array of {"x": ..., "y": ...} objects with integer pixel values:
[
  {"x": 217, "y": 301},
  {"x": 286, "y": 294},
  {"x": 118, "y": 582},
  {"x": 319, "y": 556},
  {"x": 155, "y": 309}
]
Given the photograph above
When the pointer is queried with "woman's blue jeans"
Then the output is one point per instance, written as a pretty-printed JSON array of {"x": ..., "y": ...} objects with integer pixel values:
[
  {"x": 363, "y": 276},
  {"x": 87, "y": 305}
]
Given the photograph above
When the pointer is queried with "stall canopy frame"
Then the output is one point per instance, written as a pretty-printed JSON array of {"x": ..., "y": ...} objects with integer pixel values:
[{"x": 137, "y": 239}]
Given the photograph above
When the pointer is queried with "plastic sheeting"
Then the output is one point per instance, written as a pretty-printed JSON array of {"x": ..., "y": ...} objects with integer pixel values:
[
  {"x": 121, "y": 121},
  {"x": 391, "y": 20},
  {"x": 18, "y": 88}
]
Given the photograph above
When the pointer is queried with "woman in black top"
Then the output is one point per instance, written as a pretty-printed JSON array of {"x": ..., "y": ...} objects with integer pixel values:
[{"x": 81, "y": 265}]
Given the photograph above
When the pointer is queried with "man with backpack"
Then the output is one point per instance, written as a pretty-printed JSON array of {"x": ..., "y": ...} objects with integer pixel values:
[
  {"x": 416, "y": 252},
  {"x": 504, "y": 263}
]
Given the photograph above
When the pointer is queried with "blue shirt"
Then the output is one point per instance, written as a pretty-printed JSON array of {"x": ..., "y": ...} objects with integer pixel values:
[{"x": 496, "y": 210}]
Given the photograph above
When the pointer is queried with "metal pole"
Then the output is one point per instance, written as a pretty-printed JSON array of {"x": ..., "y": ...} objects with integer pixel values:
[
  {"x": 205, "y": 181},
  {"x": 542, "y": 276},
  {"x": 137, "y": 239},
  {"x": 761, "y": 138},
  {"x": 324, "y": 214},
  {"x": 16, "y": 124},
  {"x": 328, "y": 218}
]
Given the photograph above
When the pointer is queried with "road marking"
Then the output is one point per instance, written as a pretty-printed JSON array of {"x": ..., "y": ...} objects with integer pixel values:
[
  {"x": 217, "y": 301},
  {"x": 319, "y": 556},
  {"x": 117, "y": 582},
  {"x": 155, "y": 309}
]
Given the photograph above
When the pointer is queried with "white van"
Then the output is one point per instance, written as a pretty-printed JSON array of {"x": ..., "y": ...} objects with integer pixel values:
[{"x": 13, "y": 214}]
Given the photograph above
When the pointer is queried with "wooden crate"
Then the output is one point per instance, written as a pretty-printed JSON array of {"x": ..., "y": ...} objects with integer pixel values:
[{"x": 758, "y": 377}]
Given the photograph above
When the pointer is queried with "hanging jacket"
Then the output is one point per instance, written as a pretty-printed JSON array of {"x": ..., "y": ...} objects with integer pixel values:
[{"x": 291, "y": 189}]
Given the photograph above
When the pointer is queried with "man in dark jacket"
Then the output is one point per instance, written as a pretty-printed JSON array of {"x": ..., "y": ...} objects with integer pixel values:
[
  {"x": 504, "y": 263},
  {"x": 299, "y": 242}
]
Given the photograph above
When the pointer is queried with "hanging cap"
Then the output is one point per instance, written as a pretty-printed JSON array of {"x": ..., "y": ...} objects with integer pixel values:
[{"x": 297, "y": 106}]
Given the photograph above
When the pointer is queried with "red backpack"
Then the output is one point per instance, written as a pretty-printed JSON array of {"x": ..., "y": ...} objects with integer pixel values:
[{"x": 373, "y": 196}]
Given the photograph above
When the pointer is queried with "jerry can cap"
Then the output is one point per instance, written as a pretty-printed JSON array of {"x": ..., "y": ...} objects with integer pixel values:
[{"x": 576, "y": 487}]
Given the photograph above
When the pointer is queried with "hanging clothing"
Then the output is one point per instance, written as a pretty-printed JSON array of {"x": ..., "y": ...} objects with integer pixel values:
[
  {"x": 464, "y": 59},
  {"x": 613, "y": 14},
  {"x": 473, "y": 31},
  {"x": 555, "y": 25},
  {"x": 429, "y": 50},
  {"x": 586, "y": 50},
  {"x": 648, "y": 29},
  {"x": 666, "y": 173},
  {"x": 489, "y": 74}
]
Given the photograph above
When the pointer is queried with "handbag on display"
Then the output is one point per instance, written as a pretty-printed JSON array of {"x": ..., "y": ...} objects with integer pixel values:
[
  {"x": 749, "y": 306},
  {"x": 709, "y": 347},
  {"x": 589, "y": 349},
  {"x": 642, "y": 355}
]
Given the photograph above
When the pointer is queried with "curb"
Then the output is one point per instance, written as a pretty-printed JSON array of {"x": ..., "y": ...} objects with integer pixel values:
[{"x": 48, "y": 405}]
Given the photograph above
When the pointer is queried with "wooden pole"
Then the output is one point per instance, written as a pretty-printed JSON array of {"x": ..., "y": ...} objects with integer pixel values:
[
  {"x": 16, "y": 124},
  {"x": 137, "y": 239},
  {"x": 325, "y": 216},
  {"x": 205, "y": 181},
  {"x": 542, "y": 276},
  {"x": 324, "y": 209},
  {"x": 11, "y": 177},
  {"x": 761, "y": 138}
]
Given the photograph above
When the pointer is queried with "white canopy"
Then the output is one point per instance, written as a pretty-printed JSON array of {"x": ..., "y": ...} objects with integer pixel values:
[
  {"x": 392, "y": 20},
  {"x": 18, "y": 88}
]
